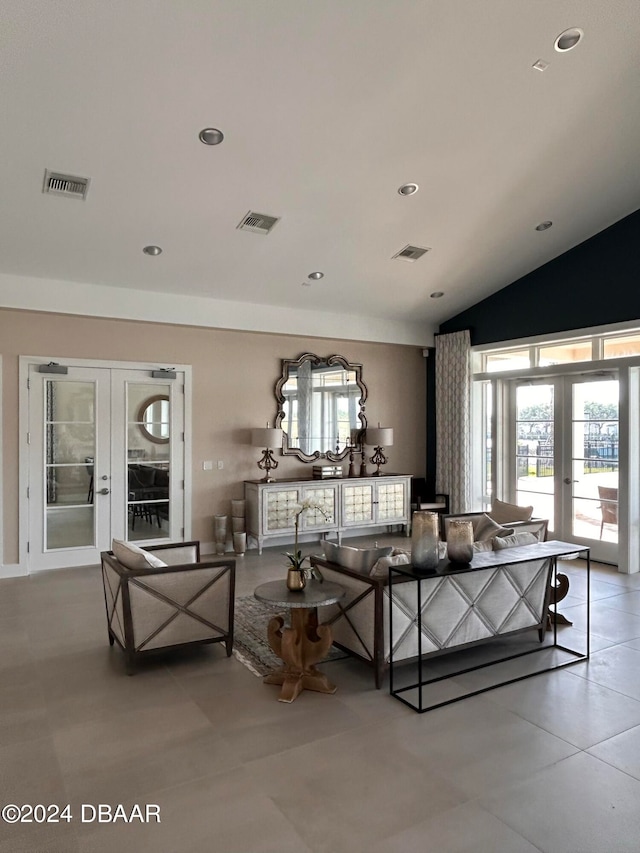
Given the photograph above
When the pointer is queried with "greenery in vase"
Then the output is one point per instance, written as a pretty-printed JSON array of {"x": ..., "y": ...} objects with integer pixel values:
[{"x": 296, "y": 559}]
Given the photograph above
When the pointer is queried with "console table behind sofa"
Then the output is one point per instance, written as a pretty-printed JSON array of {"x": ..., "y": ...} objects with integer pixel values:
[{"x": 499, "y": 593}]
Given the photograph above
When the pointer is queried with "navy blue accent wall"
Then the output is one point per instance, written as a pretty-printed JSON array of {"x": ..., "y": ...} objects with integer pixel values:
[{"x": 593, "y": 284}]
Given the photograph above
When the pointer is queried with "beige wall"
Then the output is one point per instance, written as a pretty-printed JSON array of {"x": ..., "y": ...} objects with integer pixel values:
[{"x": 234, "y": 374}]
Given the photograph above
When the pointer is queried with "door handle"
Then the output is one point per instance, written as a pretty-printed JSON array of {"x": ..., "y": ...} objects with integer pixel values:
[
  {"x": 104, "y": 491},
  {"x": 104, "y": 477},
  {"x": 568, "y": 481}
]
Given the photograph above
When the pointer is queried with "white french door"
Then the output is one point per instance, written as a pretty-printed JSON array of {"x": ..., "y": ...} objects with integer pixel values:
[
  {"x": 106, "y": 457},
  {"x": 564, "y": 460}
]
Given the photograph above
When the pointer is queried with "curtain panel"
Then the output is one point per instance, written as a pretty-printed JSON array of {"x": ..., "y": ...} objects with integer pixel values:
[{"x": 453, "y": 419}]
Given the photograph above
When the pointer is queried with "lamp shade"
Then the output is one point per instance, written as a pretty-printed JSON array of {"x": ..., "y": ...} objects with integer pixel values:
[
  {"x": 266, "y": 437},
  {"x": 379, "y": 437}
]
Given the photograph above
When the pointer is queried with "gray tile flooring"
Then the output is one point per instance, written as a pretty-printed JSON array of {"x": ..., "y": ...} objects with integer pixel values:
[{"x": 547, "y": 764}]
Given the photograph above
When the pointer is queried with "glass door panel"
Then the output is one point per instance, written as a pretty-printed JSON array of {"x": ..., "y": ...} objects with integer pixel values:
[
  {"x": 591, "y": 484},
  {"x": 70, "y": 440},
  {"x": 148, "y": 460},
  {"x": 534, "y": 449},
  {"x": 67, "y": 524}
]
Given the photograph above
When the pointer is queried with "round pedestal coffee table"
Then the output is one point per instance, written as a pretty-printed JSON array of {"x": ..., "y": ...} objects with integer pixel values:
[{"x": 303, "y": 644}]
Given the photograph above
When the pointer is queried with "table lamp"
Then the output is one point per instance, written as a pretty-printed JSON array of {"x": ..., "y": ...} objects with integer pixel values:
[
  {"x": 267, "y": 437},
  {"x": 379, "y": 438}
]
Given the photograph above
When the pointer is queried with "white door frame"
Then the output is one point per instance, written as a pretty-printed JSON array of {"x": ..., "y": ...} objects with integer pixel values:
[
  {"x": 23, "y": 427},
  {"x": 2, "y": 481}
]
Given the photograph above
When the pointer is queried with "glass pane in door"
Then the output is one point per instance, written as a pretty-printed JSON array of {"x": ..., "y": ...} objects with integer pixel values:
[
  {"x": 69, "y": 443},
  {"x": 535, "y": 449},
  {"x": 148, "y": 460},
  {"x": 594, "y": 461}
]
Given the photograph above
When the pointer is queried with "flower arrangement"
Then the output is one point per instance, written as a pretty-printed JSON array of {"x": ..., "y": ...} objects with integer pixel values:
[{"x": 296, "y": 559}]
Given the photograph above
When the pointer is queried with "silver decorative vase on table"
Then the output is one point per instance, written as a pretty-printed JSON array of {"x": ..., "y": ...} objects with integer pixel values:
[
  {"x": 460, "y": 542},
  {"x": 424, "y": 540}
]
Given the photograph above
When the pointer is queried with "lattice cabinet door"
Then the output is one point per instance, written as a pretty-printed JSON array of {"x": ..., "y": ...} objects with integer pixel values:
[
  {"x": 279, "y": 510},
  {"x": 391, "y": 503},
  {"x": 325, "y": 497},
  {"x": 357, "y": 504}
]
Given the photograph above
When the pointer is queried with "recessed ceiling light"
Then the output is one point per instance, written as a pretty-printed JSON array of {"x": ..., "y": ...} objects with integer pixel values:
[
  {"x": 211, "y": 136},
  {"x": 152, "y": 250},
  {"x": 408, "y": 189},
  {"x": 568, "y": 39},
  {"x": 316, "y": 275},
  {"x": 437, "y": 294},
  {"x": 544, "y": 225},
  {"x": 540, "y": 65}
]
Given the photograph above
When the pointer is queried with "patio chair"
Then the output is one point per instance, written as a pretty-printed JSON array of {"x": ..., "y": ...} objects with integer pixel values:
[{"x": 608, "y": 506}]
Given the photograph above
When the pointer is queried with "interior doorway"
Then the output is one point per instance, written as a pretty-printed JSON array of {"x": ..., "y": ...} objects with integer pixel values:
[{"x": 105, "y": 459}]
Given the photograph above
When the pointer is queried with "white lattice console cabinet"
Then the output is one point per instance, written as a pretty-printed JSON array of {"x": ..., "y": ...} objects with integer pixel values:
[{"x": 355, "y": 503}]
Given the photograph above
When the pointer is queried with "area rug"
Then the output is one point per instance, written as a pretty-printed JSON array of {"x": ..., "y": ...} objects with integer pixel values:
[{"x": 250, "y": 645}]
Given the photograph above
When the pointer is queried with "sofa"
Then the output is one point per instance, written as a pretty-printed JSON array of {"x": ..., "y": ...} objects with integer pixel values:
[
  {"x": 458, "y": 610},
  {"x": 518, "y": 519},
  {"x": 164, "y": 596}
]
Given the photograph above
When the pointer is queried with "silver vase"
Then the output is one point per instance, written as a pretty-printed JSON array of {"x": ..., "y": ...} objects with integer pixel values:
[
  {"x": 460, "y": 542},
  {"x": 424, "y": 540}
]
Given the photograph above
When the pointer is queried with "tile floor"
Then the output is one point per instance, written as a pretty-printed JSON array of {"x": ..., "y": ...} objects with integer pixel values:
[{"x": 547, "y": 764}]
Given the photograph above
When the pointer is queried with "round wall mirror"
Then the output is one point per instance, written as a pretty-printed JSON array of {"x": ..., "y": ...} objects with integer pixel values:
[{"x": 153, "y": 417}]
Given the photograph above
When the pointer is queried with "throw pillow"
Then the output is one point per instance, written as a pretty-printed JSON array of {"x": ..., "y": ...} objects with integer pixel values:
[
  {"x": 133, "y": 557},
  {"x": 356, "y": 559},
  {"x": 484, "y": 545},
  {"x": 503, "y": 512},
  {"x": 500, "y": 542},
  {"x": 487, "y": 528},
  {"x": 381, "y": 567}
]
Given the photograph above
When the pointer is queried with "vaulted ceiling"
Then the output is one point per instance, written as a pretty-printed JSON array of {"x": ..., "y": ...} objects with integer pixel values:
[{"x": 327, "y": 108}]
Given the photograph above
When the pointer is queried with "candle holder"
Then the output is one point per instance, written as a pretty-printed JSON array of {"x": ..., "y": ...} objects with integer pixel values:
[{"x": 460, "y": 542}]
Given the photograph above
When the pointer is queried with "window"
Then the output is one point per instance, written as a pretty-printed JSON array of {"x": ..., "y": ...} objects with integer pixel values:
[
  {"x": 625, "y": 344},
  {"x": 565, "y": 353},
  {"x": 621, "y": 347},
  {"x": 508, "y": 360}
]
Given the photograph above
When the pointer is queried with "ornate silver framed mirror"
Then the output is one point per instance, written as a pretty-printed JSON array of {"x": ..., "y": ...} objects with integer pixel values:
[{"x": 321, "y": 407}]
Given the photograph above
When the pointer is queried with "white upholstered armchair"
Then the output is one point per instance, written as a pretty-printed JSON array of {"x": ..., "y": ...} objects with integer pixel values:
[{"x": 163, "y": 596}]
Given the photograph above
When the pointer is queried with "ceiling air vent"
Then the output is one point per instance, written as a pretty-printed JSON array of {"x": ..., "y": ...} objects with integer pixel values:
[
  {"x": 410, "y": 253},
  {"x": 68, "y": 185},
  {"x": 259, "y": 223}
]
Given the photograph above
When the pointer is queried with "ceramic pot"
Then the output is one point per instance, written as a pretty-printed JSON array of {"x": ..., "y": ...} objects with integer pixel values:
[
  {"x": 296, "y": 580},
  {"x": 239, "y": 543},
  {"x": 220, "y": 533},
  {"x": 237, "y": 509}
]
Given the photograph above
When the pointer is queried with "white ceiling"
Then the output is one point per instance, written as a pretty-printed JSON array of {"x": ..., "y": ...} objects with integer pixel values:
[{"x": 327, "y": 108}]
